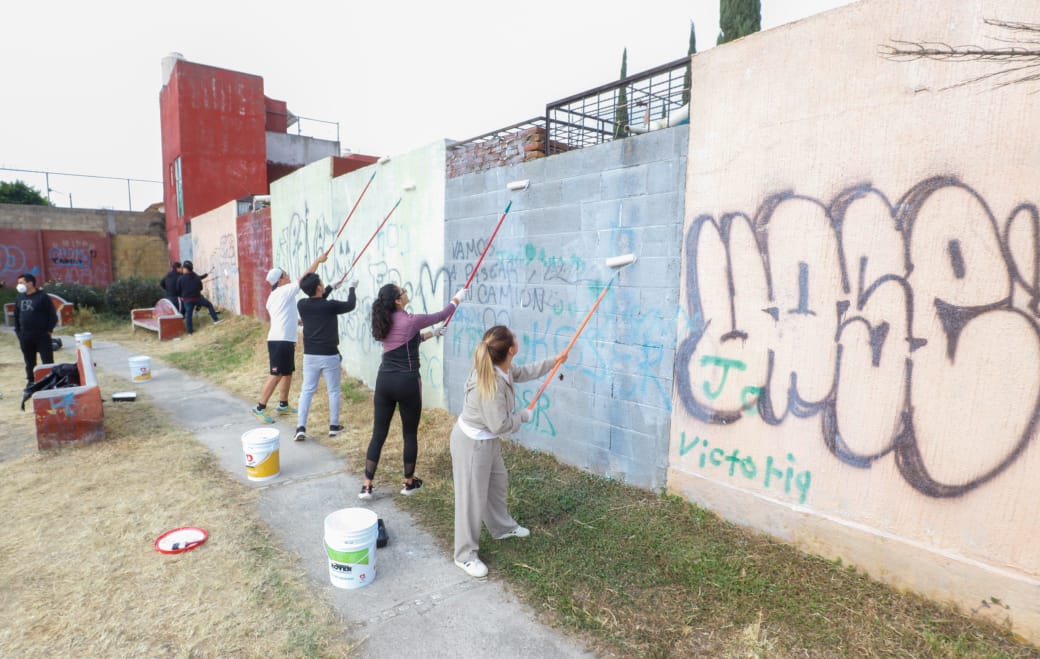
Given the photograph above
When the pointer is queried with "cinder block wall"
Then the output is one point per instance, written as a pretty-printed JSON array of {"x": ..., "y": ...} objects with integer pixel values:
[{"x": 610, "y": 412}]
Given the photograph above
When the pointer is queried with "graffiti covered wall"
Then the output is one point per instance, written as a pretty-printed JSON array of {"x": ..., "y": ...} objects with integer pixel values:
[
  {"x": 609, "y": 410},
  {"x": 309, "y": 208},
  {"x": 214, "y": 250},
  {"x": 858, "y": 366}
]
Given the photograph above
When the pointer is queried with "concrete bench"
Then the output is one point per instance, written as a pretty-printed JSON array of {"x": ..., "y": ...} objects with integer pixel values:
[
  {"x": 163, "y": 318},
  {"x": 71, "y": 415},
  {"x": 63, "y": 307}
]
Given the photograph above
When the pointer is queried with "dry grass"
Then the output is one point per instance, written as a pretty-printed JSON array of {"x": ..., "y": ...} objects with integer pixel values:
[{"x": 80, "y": 575}]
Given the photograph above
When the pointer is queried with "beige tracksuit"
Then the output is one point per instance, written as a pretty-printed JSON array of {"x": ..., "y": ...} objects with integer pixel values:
[{"x": 481, "y": 480}]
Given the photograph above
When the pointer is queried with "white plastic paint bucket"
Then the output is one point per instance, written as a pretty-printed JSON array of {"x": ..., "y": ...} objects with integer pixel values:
[
  {"x": 84, "y": 339},
  {"x": 260, "y": 446},
  {"x": 350, "y": 544},
  {"x": 140, "y": 368}
]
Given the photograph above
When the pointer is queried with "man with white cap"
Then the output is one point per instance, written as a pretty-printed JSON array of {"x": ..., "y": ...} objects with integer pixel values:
[{"x": 281, "y": 339}]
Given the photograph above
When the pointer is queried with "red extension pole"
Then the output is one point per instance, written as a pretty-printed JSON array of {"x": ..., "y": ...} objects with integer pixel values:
[
  {"x": 353, "y": 208},
  {"x": 482, "y": 255},
  {"x": 378, "y": 229}
]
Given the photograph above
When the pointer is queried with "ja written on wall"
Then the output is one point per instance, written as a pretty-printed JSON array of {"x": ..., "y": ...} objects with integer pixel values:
[{"x": 859, "y": 372}]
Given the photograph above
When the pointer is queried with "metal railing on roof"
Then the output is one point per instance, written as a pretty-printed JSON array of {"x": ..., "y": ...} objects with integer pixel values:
[
  {"x": 591, "y": 117},
  {"x": 501, "y": 133}
]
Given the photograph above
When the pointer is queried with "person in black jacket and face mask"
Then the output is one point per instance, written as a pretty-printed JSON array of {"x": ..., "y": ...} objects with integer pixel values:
[{"x": 34, "y": 320}]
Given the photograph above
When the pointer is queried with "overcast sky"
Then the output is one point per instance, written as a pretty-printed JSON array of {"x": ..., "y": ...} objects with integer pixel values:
[{"x": 81, "y": 79}]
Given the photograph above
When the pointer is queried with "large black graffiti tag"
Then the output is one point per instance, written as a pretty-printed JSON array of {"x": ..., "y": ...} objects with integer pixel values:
[{"x": 908, "y": 329}]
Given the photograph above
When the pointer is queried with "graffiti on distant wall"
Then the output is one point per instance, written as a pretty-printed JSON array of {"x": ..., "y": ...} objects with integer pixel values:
[
  {"x": 83, "y": 260},
  {"x": 12, "y": 258},
  {"x": 899, "y": 326},
  {"x": 223, "y": 263}
]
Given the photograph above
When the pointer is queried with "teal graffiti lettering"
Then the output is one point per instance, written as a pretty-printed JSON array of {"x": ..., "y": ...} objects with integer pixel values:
[
  {"x": 685, "y": 448},
  {"x": 774, "y": 475},
  {"x": 749, "y": 399},
  {"x": 726, "y": 364}
]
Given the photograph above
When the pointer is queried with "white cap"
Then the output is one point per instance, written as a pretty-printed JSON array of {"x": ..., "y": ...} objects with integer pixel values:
[{"x": 273, "y": 275}]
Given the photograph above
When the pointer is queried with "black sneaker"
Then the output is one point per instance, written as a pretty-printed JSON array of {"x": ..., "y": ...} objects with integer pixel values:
[
  {"x": 335, "y": 430},
  {"x": 409, "y": 488},
  {"x": 301, "y": 434}
]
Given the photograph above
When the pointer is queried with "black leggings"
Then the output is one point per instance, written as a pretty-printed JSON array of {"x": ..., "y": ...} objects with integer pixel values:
[{"x": 393, "y": 390}]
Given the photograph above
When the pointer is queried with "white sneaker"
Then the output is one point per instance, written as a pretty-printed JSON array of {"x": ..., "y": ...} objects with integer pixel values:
[
  {"x": 474, "y": 568},
  {"x": 518, "y": 532}
]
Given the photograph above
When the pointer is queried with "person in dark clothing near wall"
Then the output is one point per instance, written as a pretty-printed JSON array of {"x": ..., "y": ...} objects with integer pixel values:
[
  {"x": 169, "y": 284},
  {"x": 321, "y": 348},
  {"x": 34, "y": 320},
  {"x": 189, "y": 288}
]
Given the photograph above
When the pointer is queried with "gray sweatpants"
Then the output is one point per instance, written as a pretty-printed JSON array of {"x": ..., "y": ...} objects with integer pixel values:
[{"x": 481, "y": 483}]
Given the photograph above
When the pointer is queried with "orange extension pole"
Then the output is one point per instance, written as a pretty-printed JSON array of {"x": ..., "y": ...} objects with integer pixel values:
[{"x": 570, "y": 345}]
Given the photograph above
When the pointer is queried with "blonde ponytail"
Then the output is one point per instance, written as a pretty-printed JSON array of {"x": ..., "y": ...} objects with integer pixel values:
[{"x": 492, "y": 351}]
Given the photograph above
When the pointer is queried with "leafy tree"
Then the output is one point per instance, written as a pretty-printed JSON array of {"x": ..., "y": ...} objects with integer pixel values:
[
  {"x": 687, "y": 81},
  {"x": 738, "y": 18},
  {"x": 21, "y": 193},
  {"x": 621, "y": 111}
]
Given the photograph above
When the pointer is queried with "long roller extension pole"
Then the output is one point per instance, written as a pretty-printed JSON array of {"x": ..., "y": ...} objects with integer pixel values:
[
  {"x": 612, "y": 262},
  {"x": 567, "y": 350},
  {"x": 482, "y": 255},
  {"x": 378, "y": 229},
  {"x": 352, "y": 209}
]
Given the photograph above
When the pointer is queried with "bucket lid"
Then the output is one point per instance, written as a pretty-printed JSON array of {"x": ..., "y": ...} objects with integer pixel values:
[
  {"x": 260, "y": 435},
  {"x": 350, "y": 520},
  {"x": 180, "y": 540}
]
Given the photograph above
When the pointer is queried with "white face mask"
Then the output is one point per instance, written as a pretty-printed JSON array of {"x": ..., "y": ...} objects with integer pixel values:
[{"x": 21, "y": 288}]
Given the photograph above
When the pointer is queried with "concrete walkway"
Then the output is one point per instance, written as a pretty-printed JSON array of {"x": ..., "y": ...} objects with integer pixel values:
[{"x": 419, "y": 603}]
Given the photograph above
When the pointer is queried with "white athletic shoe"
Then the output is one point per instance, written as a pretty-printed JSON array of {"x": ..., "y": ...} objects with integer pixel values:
[
  {"x": 474, "y": 568},
  {"x": 518, "y": 532}
]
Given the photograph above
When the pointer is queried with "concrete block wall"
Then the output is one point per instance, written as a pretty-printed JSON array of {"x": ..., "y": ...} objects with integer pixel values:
[
  {"x": 858, "y": 366},
  {"x": 214, "y": 249},
  {"x": 610, "y": 413},
  {"x": 310, "y": 206}
]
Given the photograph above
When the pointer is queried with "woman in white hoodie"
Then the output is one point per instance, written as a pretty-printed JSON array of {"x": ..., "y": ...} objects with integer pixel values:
[{"x": 488, "y": 411}]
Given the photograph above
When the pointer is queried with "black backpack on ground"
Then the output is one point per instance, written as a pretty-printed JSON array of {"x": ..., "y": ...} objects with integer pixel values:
[{"x": 62, "y": 375}]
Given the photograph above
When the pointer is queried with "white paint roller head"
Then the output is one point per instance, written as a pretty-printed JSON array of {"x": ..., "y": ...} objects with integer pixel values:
[
  {"x": 518, "y": 185},
  {"x": 383, "y": 160},
  {"x": 621, "y": 261}
]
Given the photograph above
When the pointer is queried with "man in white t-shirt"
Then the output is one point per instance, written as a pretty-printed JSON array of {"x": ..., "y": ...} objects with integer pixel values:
[{"x": 281, "y": 339}]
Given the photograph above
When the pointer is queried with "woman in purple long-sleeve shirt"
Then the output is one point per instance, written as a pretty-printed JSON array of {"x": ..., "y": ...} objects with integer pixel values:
[{"x": 398, "y": 383}]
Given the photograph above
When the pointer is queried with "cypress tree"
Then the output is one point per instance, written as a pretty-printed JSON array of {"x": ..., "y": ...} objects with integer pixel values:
[
  {"x": 621, "y": 110},
  {"x": 687, "y": 81},
  {"x": 738, "y": 18}
]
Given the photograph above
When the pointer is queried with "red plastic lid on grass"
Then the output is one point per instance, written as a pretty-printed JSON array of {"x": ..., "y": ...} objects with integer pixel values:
[{"x": 176, "y": 541}]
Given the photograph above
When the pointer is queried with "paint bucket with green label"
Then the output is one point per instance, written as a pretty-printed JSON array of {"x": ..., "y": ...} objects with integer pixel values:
[{"x": 350, "y": 544}]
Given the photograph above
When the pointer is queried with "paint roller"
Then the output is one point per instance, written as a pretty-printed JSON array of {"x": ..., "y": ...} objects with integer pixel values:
[
  {"x": 616, "y": 262},
  {"x": 375, "y": 170},
  {"x": 408, "y": 187},
  {"x": 513, "y": 186}
]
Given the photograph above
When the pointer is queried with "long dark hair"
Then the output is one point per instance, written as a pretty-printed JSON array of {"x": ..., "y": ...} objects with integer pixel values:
[{"x": 383, "y": 308}]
